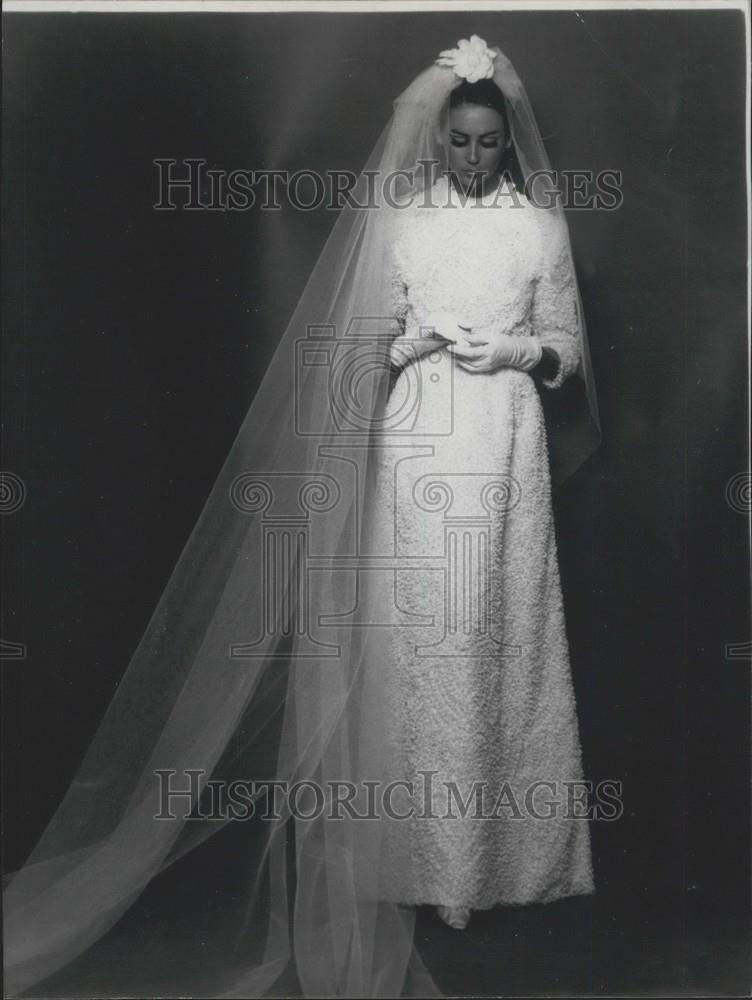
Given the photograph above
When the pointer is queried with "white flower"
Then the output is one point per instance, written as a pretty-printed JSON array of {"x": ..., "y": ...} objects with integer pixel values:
[{"x": 472, "y": 59}]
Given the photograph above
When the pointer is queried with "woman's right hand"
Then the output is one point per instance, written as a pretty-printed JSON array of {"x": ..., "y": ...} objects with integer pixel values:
[
  {"x": 445, "y": 326},
  {"x": 433, "y": 334},
  {"x": 405, "y": 349}
]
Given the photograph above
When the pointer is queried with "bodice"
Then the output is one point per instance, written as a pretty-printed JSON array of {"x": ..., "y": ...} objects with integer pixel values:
[{"x": 495, "y": 262}]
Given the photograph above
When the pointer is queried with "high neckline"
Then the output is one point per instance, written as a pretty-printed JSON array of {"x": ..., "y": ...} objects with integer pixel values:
[{"x": 502, "y": 193}]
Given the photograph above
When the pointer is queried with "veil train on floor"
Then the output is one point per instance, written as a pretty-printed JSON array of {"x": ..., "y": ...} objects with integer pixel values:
[{"x": 262, "y": 646}]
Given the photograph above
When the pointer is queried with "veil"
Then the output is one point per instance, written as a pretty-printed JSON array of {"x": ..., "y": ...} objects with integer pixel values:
[{"x": 261, "y": 661}]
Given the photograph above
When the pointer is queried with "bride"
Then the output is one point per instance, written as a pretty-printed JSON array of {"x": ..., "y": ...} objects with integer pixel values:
[
  {"x": 486, "y": 701},
  {"x": 369, "y": 602}
]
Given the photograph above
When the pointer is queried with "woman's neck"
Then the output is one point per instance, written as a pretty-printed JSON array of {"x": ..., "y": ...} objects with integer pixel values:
[{"x": 477, "y": 187}]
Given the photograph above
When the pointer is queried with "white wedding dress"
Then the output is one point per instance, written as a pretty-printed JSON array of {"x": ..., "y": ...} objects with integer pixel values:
[{"x": 478, "y": 670}]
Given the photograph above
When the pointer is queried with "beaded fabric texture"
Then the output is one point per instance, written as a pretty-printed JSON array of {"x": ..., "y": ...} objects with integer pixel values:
[{"x": 479, "y": 672}]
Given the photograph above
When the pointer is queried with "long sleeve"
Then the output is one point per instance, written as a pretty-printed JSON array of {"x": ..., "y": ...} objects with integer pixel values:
[
  {"x": 399, "y": 297},
  {"x": 401, "y": 352},
  {"x": 554, "y": 307}
]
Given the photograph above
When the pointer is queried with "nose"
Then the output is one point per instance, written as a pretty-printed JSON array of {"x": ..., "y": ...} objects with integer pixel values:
[{"x": 473, "y": 154}]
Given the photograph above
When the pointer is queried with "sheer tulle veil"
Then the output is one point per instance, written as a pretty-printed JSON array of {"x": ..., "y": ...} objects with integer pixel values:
[{"x": 262, "y": 659}]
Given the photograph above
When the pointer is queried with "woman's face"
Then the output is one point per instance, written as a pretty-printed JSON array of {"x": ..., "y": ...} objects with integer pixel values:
[{"x": 475, "y": 140}]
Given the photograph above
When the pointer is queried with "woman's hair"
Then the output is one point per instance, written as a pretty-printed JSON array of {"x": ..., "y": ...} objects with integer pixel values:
[{"x": 486, "y": 94}]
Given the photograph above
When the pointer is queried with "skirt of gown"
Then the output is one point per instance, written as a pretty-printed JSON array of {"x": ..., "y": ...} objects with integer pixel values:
[{"x": 487, "y": 796}]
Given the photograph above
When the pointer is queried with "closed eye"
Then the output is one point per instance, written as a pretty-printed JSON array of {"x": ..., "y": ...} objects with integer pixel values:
[{"x": 489, "y": 140}]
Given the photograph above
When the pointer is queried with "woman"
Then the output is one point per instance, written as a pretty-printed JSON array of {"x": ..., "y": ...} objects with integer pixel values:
[
  {"x": 483, "y": 699},
  {"x": 267, "y": 660}
]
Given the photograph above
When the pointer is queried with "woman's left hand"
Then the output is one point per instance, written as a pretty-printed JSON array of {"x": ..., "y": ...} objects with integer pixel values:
[{"x": 485, "y": 351}]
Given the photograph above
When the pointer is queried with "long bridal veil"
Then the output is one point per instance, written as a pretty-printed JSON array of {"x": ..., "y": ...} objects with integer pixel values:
[{"x": 262, "y": 660}]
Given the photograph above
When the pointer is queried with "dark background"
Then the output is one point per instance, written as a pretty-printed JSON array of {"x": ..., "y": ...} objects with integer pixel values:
[{"x": 134, "y": 340}]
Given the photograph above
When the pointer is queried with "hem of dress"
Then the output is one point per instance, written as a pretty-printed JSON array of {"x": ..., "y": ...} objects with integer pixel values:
[{"x": 477, "y": 906}]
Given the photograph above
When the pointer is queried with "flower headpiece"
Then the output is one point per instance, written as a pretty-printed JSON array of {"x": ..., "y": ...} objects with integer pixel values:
[{"x": 472, "y": 60}]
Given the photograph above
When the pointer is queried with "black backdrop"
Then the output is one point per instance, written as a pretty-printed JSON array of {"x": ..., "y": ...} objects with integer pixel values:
[{"x": 134, "y": 340}]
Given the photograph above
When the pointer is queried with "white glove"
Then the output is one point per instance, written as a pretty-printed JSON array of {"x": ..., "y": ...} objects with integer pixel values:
[
  {"x": 520, "y": 352},
  {"x": 488, "y": 351},
  {"x": 445, "y": 325}
]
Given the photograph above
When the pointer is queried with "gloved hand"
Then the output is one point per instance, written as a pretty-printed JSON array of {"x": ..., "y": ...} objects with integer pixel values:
[
  {"x": 436, "y": 332},
  {"x": 445, "y": 325},
  {"x": 486, "y": 351}
]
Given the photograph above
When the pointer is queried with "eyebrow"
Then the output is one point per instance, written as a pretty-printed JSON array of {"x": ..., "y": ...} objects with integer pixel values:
[{"x": 456, "y": 131}]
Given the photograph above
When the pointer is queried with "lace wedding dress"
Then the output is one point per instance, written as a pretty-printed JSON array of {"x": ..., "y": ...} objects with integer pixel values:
[{"x": 483, "y": 719}]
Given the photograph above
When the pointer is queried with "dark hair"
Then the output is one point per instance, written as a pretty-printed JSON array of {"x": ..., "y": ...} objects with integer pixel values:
[{"x": 486, "y": 94}]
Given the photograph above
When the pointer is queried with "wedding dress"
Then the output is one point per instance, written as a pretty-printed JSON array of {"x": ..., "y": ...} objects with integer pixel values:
[
  {"x": 478, "y": 665},
  {"x": 262, "y": 660}
]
